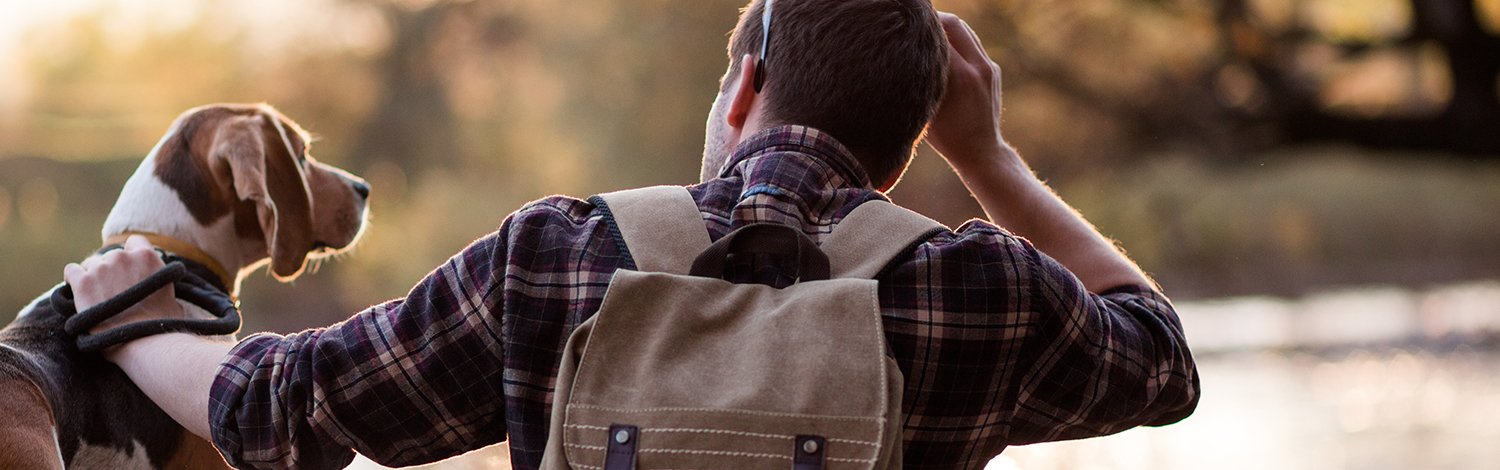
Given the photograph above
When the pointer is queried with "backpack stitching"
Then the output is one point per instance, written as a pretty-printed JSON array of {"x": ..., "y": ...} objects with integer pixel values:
[
  {"x": 727, "y": 431},
  {"x": 880, "y": 419}
]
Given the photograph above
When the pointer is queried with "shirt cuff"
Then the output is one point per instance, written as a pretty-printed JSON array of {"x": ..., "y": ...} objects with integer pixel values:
[{"x": 226, "y": 397}]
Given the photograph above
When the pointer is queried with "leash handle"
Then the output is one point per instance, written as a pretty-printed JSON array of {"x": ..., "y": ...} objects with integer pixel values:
[
  {"x": 83, "y": 321},
  {"x": 189, "y": 288}
]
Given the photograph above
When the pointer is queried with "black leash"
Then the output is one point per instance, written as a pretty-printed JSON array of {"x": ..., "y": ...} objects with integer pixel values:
[{"x": 189, "y": 286}]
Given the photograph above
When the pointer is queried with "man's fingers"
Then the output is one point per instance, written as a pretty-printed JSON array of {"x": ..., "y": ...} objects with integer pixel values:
[
  {"x": 137, "y": 242},
  {"x": 93, "y": 261},
  {"x": 72, "y": 273},
  {"x": 985, "y": 60},
  {"x": 140, "y": 251},
  {"x": 959, "y": 39},
  {"x": 136, "y": 258},
  {"x": 989, "y": 68},
  {"x": 974, "y": 38}
]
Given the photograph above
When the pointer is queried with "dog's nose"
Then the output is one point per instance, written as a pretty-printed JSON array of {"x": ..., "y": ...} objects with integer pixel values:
[{"x": 362, "y": 188}]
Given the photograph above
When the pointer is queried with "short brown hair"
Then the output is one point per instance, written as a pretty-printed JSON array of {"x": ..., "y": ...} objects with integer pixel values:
[{"x": 870, "y": 73}]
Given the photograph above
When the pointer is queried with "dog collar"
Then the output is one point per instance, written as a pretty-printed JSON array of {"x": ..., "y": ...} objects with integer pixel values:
[{"x": 180, "y": 248}]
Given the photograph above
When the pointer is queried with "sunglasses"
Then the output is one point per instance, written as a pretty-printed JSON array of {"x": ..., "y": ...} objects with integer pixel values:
[{"x": 765, "y": 44}]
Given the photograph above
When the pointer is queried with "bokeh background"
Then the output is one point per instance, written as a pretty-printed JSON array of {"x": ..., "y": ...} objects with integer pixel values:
[{"x": 1316, "y": 182}]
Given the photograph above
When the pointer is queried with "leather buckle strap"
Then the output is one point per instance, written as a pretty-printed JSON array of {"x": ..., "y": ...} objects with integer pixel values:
[
  {"x": 764, "y": 238},
  {"x": 809, "y": 452},
  {"x": 619, "y": 454}
]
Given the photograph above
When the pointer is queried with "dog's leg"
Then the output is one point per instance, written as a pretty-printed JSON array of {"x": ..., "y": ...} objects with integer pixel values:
[{"x": 28, "y": 431}]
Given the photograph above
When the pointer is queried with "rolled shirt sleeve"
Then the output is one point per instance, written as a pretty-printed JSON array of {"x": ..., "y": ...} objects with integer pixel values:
[
  {"x": 1105, "y": 362},
  {"x": 409, "y": 381},
  {"x": 1000, "y": 345}
]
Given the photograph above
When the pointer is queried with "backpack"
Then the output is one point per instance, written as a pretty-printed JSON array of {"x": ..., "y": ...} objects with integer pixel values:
[{"x": 680, "y": 369}]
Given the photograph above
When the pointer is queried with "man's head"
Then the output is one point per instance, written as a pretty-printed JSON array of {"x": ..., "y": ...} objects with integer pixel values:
[{"x": 867, "y": 72}]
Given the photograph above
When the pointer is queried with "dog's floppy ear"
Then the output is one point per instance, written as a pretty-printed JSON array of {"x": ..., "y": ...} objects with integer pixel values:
[{"x": 267, "y": 173}]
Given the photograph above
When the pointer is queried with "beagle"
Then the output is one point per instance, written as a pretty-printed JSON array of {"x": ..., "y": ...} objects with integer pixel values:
[{"x": 230, "y": 187}]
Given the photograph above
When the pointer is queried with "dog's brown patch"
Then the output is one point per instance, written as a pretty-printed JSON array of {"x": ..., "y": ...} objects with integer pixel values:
[
  {"x": 182, "y": 165},
  {"x": 27, "y": 427},
  {"x": 287, "y": 185},
  {"x": 246, "y": 222}
]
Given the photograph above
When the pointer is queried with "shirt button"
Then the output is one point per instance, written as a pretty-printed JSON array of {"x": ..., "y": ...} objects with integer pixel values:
[{"x": 810, "y": 446}]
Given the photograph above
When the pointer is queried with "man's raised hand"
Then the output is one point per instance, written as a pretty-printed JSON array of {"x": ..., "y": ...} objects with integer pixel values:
[{"x": 966, "y": 129}]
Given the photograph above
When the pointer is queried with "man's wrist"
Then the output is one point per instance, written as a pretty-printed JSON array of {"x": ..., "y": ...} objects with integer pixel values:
[
  {"x": 146, "y": 346},
  {"x": 132, "y": 349},
  {"x": 999, "y": 166}
]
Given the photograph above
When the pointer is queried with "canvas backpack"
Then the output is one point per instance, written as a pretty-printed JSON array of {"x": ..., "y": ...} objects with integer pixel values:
[{"x": 680, "y": 369}]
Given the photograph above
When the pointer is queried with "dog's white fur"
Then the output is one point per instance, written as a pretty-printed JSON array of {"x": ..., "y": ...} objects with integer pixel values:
[{"x": 148, "y": 205}]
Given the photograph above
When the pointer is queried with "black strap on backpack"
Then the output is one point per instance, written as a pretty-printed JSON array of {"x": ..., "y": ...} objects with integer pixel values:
[{"x": 764, "y": 238}]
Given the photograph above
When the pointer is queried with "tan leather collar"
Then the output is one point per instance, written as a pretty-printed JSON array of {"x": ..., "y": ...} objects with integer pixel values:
[{"x": 179, "y": 248}]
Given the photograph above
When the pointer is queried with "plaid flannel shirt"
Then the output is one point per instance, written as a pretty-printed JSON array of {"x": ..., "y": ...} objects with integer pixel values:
[{"x": 999, "y": 344}]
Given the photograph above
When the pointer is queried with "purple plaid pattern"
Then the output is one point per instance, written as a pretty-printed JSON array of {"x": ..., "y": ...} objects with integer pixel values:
[{"x": 999, "y": 344}]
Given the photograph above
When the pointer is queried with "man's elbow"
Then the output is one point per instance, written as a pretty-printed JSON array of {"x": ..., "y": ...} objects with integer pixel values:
[{"x": 1178, "y": 400}]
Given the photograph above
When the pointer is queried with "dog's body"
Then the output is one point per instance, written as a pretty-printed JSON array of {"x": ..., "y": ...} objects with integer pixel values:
[{"x": 232, "y": 186}]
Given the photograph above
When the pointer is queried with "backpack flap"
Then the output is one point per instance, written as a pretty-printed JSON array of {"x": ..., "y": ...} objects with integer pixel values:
[{"x": 722, "y": 375}]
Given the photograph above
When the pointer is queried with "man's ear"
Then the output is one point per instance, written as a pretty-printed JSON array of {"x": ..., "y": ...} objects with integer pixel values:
[
  {"x": 744, "y": 94},
  {"x": 266, "y": 174}
]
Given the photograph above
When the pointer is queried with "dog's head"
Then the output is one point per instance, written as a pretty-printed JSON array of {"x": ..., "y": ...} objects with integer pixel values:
[{"x": 251, "y": 163}]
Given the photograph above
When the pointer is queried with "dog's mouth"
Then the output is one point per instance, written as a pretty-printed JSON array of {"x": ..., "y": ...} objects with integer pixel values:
[{"x": 322, "y": 248}]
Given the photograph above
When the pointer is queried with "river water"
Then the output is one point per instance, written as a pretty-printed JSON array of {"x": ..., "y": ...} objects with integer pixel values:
[
  {"x": 1366, "y": 379},
  {"x": 1390, "y": 409}
]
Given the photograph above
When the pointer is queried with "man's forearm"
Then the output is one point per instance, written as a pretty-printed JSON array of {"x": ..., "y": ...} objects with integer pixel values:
[
  {"x": 1014, "y": 198},
  {"x": 176, "y": 370}
]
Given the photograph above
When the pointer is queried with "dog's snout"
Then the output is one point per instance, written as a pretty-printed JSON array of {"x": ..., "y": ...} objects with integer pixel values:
[{"x": 362, "y": 189}]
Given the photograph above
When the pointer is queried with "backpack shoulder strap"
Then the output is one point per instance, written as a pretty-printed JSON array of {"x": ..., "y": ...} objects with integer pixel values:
[
  {"x": 661, "y": 225},
  {"x": 870, "y": 237}
]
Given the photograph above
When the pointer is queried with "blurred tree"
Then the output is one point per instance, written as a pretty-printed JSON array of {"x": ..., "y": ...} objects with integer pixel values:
[
  {"x": 641, "y": 76},
  {"x": 1232, "y": 77},
  {"x": 413, "y": 123},
  {"x": 85, "y": 81},
  {"x": 1468, "y": 123}
]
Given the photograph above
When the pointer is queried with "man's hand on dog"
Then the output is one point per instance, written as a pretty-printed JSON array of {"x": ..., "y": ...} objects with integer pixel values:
[{"x": 104, "y": 276}]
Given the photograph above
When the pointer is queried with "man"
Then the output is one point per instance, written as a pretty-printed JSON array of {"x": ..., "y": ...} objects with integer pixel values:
[{"x": 1000, "y": 343}]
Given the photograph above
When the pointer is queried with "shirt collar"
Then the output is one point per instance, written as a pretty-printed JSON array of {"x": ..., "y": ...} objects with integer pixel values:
[
  {"x": 825, "y": 158},
  {"x": 795, "y": 175}
]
